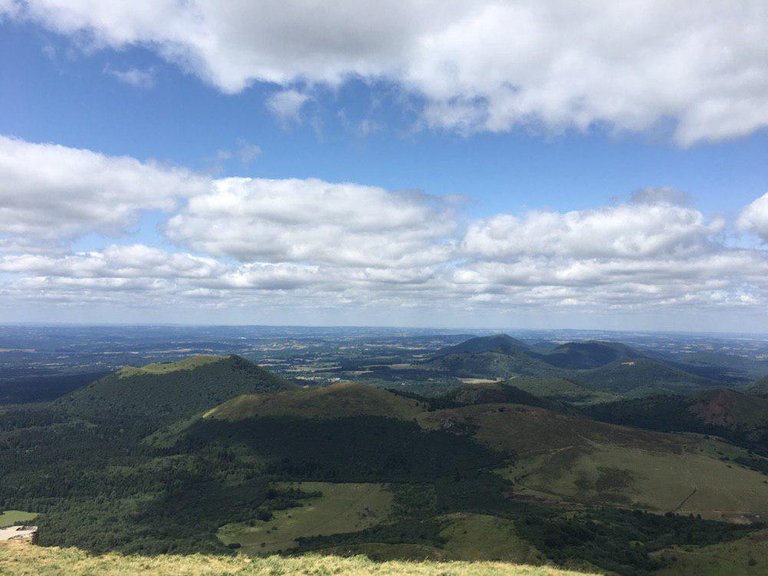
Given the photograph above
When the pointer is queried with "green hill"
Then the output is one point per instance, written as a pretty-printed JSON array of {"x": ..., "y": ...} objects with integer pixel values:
[
  {"x": 561, "y": 389},
  {"x": 584, "y": 355},
  {"x": 562, "y": 458},
  {"x": 736, "y": 416},
  {"x": 600, "y": 367},
  {"x": 174, "y": 390},
  {"x": 559, "y": 457},
  {"x": 491, "y": 365},
  {"x": 334, "y": 401},
  {"x": 641, "y": 377},
  {"x": 498, "y": 343}
]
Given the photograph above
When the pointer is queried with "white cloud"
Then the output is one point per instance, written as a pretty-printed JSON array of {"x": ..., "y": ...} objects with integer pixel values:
[
  {"x": 132, "y": 261},
  {"x": 315, "y": 221},
  {"x": 755, "y": 217},
  {"x": 636, "y": 230},
  {"x": 50, "y": 193},
  {"x": 294, "y": 242},
  {"x": 135, "y": 77},
  {"x": 484, "y": 65},
  {"x": 287, "y": 105}
]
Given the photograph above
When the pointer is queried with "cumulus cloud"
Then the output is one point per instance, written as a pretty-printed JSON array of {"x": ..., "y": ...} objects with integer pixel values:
[
  {"x": 635, "y": 230},
  {"x": 116, "y": 261},
  {"x": 315, "y": 221},
  {"x": 755, "y": 217},
  {"x": 493, "y": 66},
  {"x": 248, "y": 241},
  {"x": 51, "y": 193}
]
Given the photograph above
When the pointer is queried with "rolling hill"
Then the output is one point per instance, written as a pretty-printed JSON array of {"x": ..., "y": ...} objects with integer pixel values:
[
  {"x": 560, "y": 389},
  {"x": 172, "y": 390},
  {"x": 216, "y": 455},
  {"x": 641, "y": 377},
  {"x": 585, "y": 355},
  {"x": 600, "y": 367},
  {"x": 563, "y": 457},
  {"x": 334, "y": 401},
  {"x": 498, "y": 356},
  {"x": 736, "y": 416},
  {"x": 498, "y": 343}
]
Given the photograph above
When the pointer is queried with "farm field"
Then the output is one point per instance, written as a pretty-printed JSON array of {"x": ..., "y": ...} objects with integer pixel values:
[{"x": 341, "y": 508}]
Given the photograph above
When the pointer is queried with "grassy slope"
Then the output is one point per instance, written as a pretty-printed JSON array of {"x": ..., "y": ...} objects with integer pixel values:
[
  {"x": 565, "y": 458},
  {"x": 743, "y": 557},
  {"x": 561, "y": 457},
  {"x": 527, "y": 430},
  {"x": 687, "y": 483},
  {"x": 483, "y": 537},
  {"x": 560, "y": 389},
  {"x": 334, "y": 401},
  {"x": 14, "y": 517},
  {"x": 26, "y": 560},
  {"x": 167, "y": 367},
  {"x": 341, "y": 508}
]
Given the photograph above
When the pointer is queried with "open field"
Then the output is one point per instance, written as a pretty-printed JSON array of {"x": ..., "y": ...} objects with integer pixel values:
[
  {"x": 14, "y": 517},
  {"x": 484, "y": 537},
  {"x": 25, "y": 560},
  {"x": 683, "y": 482},
  {"x": 341, "y": 508},
  {"x": 743, "y": 557}
]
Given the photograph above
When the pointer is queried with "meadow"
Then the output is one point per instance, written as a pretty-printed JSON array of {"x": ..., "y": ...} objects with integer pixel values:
[
  {"x": 18, "y": 559},
  {"x": 339, "y": 508}
]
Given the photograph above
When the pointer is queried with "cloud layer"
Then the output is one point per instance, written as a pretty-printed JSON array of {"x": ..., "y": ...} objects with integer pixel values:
[
  {"x": 52, "y": 193},
  {"x": 314, "y": 221},
  {"x": 244, "y": 242},
  {"x": 695, "y": 69}
]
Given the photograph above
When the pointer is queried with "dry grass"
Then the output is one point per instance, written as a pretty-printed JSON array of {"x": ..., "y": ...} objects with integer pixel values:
[{"x": 26, "y": 560}]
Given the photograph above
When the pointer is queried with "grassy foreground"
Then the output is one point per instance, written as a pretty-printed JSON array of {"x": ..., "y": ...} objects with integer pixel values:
[{"x": 21, "y": 559}]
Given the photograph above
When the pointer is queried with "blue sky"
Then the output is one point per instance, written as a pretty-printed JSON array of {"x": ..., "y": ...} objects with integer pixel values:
[{"x": 480, "y": 153}]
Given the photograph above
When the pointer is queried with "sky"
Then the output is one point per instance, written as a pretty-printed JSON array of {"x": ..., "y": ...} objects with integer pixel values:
[{"x": 517, "y": 164}]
